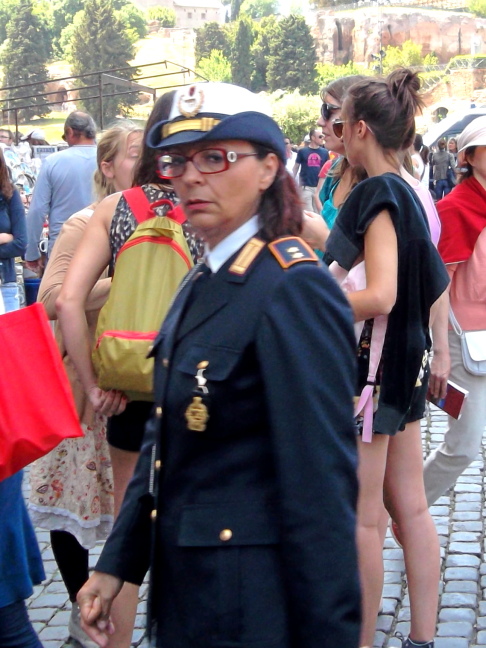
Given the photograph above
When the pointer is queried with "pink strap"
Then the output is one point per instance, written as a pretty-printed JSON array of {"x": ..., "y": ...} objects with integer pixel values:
[{"x": 365, "y": 402}]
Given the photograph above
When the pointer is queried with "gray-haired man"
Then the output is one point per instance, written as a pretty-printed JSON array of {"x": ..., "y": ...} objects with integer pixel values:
[{"x": 64, "y": 185}]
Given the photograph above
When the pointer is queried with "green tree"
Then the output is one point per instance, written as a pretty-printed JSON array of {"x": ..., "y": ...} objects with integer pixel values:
[
  {"x": 216, "y": 67},
  {"x": 293, "y": 59},
  {"x": 407, "y": 55},
  {"x": 240, "y": 54},
  {"x": 64, "y": 42},
  {"x": 296, "y": 114},
  {"x": 63, "y": 12},
  {"x": 166, "y": 16},
  {"x": 258, "y": 9},
  {"x": 24, "y": 60},
  {"x": 477, "y": 7},
  {"x": 133, "y": 18},
  {"x": 260, "y": 51},
  {"x": 327, "y": 72},
  {"x": 235, "y": 9},
  {"x": 101, "y": 42},
  {"x": 208, "y": 38},
  {"x": 7, "y": 11}
]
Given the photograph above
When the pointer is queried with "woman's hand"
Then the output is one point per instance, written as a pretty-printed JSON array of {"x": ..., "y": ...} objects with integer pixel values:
[
  {"x": 6, "y": 238},
  {"x": 315, "y": 232},
  {"x": 440, "y": 367},
  {"x": 109, "y": 403},
  {"x": 95, "y": 599}
]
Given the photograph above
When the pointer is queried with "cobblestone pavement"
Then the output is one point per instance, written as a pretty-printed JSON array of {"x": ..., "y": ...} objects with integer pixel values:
[{"x": 459, "y": 518}]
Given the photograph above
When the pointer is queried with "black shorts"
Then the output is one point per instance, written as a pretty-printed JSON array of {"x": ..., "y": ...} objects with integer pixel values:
[{"x": 125, "y": 431}]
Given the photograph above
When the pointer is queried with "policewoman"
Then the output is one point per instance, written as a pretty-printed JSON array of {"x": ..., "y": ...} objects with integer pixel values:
[{"x": 243, "y": 501}]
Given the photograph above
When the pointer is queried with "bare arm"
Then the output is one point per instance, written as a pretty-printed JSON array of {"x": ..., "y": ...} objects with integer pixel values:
[
  {"x": 317, "y": 200},
  {"x": 295, "y": 170},
  {"x": 314, "y": 230},
  {"x": 381, "y": 263},
  {"x": 90, "y": 259},
  {"x": 440, "y": 365},
  {"x": 64, "y": 249}
]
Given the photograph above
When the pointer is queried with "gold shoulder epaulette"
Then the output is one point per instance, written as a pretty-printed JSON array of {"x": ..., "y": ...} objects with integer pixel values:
[
  {"x": 247, "y": 255},
  {"x": 291, "y": 249}
]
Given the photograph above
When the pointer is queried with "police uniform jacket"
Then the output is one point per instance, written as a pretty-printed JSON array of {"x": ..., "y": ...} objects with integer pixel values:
[{"x": 249, "y": 525}]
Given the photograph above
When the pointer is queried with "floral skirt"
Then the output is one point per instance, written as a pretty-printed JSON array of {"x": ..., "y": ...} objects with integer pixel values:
[{"x": 72, "y": 487}]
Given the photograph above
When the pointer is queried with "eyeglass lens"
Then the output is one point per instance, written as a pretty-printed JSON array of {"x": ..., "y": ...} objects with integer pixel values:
[{"x": 206, "y": 161}]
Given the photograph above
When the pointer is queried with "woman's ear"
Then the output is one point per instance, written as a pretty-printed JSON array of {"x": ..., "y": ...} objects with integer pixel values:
[
  {"x": 362, "y": 128},
  {"x": 270, "y": 165},
  {"x": 107, "y": 170}
]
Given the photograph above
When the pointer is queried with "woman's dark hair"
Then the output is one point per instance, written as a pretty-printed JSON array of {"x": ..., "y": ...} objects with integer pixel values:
[
  {"x": 146, "y": 168},
  {"x": 280, "y": 206},
  {"x": 6, "y": 186},
  {"x": 422, "y": 150},
  {"x": 467, "y": 170},
  {"x": 339, "y": 87},
  {"x": 388, "y": 106}
]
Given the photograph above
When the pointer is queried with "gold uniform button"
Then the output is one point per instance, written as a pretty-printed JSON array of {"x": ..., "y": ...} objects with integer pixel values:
[
  {"x": 225, "y": 535},
  {"x": 165, "y": 362},
  {"x": 158, "y": 464},
  {"x": 153, "y": 515},
  {"x": 158, "y": 412}
]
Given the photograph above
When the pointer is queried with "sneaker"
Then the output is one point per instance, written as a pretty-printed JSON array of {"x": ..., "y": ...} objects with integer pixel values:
[
  {"x": 395, "y": 531},
  {"x": 408, "y": 643},
  {"x": 76, "y": 631}
]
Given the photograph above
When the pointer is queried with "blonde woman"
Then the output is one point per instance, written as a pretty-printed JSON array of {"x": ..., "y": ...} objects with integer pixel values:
[{"x": 72, "y": 492}]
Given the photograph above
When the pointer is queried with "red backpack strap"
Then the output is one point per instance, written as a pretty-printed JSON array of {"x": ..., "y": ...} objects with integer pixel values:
[
  {"x": 176, "y": 213},
  {"x": 139, "y": 203}
]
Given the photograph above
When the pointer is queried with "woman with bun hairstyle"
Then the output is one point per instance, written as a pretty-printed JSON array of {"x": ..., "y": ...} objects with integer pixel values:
[{"x": 383, "y": 223}]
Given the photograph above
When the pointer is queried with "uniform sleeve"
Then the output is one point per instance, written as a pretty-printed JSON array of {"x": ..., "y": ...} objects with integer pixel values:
[
  {"x": 306, "y": 348},
  {"x": 18, "y": 229},
  {"x": 39, "y": 208}
]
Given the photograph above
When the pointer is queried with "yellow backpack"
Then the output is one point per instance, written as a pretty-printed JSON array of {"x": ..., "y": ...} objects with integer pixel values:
[{"x": 149, "y": 268}]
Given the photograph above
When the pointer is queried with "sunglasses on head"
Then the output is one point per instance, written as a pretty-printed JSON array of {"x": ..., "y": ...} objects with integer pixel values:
[{"x": 327, "y": 109}]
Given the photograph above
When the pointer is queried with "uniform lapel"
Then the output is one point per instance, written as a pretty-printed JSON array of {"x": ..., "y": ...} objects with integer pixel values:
[
  {"x": 169, "y": 327},
  {"x": 214, "y": 295}
]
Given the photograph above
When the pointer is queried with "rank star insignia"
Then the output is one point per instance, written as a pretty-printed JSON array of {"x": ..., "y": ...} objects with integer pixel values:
[
  {"x": 190, "y": 103},
  {"x": 197, "y": 415}
]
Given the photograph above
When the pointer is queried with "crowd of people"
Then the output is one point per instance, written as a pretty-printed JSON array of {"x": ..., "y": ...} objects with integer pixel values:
[{"x": 282, "y": 435}]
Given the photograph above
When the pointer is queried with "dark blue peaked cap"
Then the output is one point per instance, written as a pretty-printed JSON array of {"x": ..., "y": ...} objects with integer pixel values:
[{"x": 217, "y": 111}]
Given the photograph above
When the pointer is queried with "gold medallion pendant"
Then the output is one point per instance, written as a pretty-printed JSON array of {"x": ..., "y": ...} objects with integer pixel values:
[{"x": 197, "y": 415}]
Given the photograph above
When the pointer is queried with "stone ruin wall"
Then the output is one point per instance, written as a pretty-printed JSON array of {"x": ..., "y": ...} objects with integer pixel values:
[{"x": 354, "y": 35}]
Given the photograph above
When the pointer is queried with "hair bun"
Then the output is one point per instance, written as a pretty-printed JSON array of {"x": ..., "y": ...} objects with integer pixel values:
[{"x": 403, "y": 81}]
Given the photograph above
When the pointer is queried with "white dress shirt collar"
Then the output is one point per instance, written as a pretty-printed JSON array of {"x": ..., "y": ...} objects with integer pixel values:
[{"x": 218, "y": 256}]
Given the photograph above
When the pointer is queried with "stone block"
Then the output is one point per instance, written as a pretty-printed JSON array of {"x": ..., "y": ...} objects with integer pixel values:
[
  {"x": 461, "y": 573},
  {"x": 455, "y": 600},
  {"x": 457, "y": 614},
  {"x": 465, "y": 548}
]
